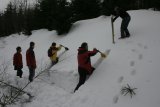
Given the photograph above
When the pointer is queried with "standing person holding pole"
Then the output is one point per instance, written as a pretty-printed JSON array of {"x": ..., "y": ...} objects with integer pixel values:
[{"x": 125, "y": 21}]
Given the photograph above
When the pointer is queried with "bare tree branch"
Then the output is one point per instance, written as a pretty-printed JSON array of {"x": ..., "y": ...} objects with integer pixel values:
[{"x": 15, "y": 88}]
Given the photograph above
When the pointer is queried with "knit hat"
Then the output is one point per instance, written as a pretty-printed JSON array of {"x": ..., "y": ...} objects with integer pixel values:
[
  {"x": 32, "y": 44},
  {"x": 84, "y": 45},
  {"x": 18, "y": 48},
  {"x": 53, "y": 44}
]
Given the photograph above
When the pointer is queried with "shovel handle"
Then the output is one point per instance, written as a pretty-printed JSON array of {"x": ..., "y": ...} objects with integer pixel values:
[
  {"x": 102, "y": 54},
  {"x": 65, "y": 48}
]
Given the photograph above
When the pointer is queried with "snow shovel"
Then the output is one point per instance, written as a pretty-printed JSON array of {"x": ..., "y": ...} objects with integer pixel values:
[
  {"x": 102, "y": 54},
  {"x": 112, "y": 30},
  {"x": 65, "y": 48}
]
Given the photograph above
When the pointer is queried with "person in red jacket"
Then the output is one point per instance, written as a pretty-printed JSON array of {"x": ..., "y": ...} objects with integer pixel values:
[
  {"x": 84, "y": 63},
  {"x": 31, "y": 61},
  {"x": 17, "y": 62}
]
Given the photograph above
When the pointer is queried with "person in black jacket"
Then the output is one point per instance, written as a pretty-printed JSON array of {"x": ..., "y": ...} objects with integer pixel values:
[{"x": 125, "y": 21}]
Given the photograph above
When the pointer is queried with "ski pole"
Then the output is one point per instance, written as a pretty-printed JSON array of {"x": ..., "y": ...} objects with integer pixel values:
[
  {"x": 112, "y": 30},
  {"x": 65, "y": 48},
  {"x": 102, "y": 54}
]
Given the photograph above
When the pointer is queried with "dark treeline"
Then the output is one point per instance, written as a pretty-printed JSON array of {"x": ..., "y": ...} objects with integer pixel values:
[{"x": 59, "y": 14}]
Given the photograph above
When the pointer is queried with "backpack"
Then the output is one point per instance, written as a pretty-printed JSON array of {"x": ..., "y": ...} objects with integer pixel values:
[{"x": 49, "y": 52}]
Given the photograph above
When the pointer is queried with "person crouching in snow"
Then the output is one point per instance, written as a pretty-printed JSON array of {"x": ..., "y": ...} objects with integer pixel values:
[
  {"x": 84, "y": 63},
  {"x": 52, "y": 53},
  {"x": 17, "y": 62}
]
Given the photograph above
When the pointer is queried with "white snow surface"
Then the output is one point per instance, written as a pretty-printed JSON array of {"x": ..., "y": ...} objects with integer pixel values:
[{"x": 134, "y": 61}]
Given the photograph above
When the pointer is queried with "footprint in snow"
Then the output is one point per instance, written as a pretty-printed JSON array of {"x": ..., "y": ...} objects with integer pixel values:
[
  {"x": 115, "y": 99},
  {"x": 132, "y": 63},
  {"x": 133, "y": 50},
  {"x": 133, "y": 72},
  {"x": 83, "y": 100},
  {"x": 140, "y": 57},
  {"x": 140, "y": 45},
  {"x": 145, "y": 47},
  {"x": 120, "y": 79}
]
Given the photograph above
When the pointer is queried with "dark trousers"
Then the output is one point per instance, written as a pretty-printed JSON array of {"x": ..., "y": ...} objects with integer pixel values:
[
  {"x": 55, "y": 62},
  {"x": 31, "y": 74},
  {"x": 19, "y": 72},
  {"x": 82, "y": 77},
  {"x": 124, "y": 25}
]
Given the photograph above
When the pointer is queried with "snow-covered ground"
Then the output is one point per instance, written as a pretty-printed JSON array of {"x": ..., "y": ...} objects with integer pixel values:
[{"x": 134, "y": 61}]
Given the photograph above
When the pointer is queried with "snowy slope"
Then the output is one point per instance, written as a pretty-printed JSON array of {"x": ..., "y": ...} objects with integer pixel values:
[{"x": 134, "y": 61}]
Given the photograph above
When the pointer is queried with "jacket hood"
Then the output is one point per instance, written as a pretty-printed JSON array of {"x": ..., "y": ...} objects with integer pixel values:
[{"x": 81, "y": 50}]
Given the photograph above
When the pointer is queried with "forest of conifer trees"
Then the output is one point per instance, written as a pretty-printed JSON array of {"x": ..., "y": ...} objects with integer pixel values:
[{"x": 59, "y": 15}]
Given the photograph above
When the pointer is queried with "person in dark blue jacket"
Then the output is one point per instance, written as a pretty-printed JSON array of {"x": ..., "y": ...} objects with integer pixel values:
[{"x": 125, "y": 21}]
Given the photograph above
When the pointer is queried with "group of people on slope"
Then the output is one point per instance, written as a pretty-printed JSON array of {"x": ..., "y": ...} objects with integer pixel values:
[
  {"x": 31, "y": 60},
  {"x": 84, "y": 62}
]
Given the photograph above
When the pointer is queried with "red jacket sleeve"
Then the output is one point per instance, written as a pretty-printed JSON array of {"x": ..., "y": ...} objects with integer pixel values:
[{"x": 92, "y": 53}]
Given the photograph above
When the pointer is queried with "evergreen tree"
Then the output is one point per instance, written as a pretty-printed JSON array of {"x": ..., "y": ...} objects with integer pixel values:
[
  {"x": 56, "y": 15},
  {"x": 108, "y": 7},
  {"x": 48, "y": 11},
  {"x": 125, "y": 4},
  {"x": 63, "y": 17},
  {"x": 10, "y": 19},
  {"x": 60, "y": 14},
  {"x": 156, "y": 4},
  {"x": 20, "y": 18},
  {"x": 1, "y": 25},
  {"x": 28, "y": 21},
  {"x": 37, "y": 17},
  {"x": 85, "y": 9}
]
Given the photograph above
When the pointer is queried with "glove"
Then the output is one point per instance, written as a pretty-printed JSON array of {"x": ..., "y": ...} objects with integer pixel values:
[{"x": 95, "y": 49}]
